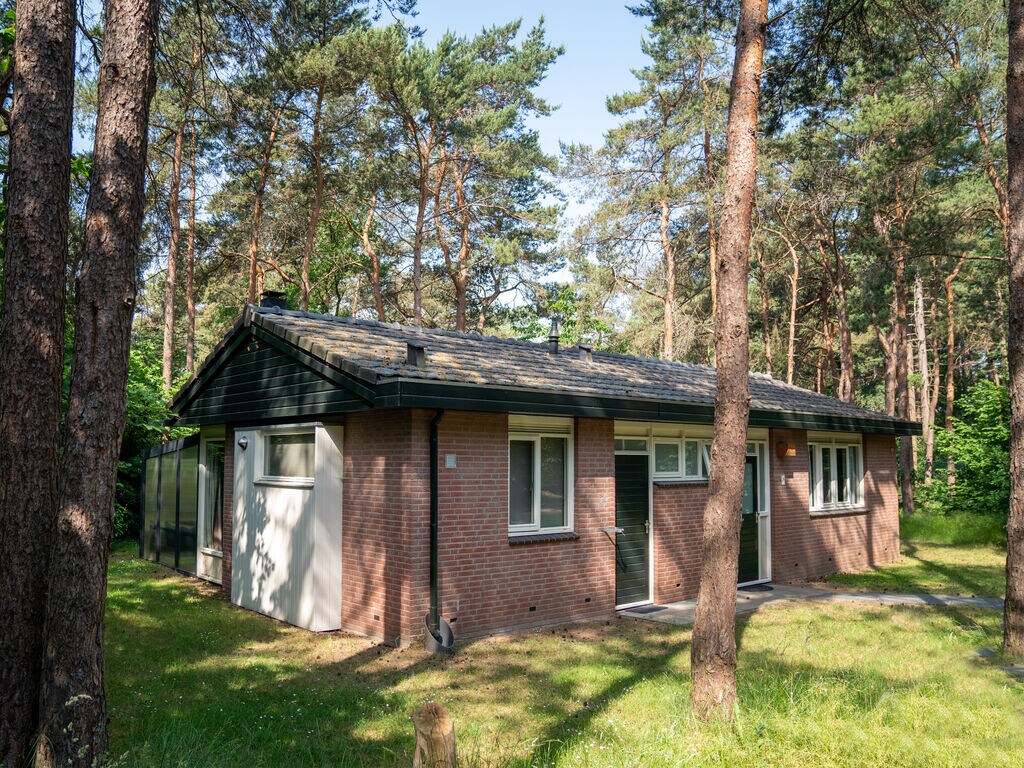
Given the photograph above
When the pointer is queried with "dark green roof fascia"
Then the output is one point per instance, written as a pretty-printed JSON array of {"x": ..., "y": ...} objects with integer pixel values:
[
  {"x": 354, "y": 379},
  {"x": 415, "y": 393},
  {"x": 217, "y": 359}
]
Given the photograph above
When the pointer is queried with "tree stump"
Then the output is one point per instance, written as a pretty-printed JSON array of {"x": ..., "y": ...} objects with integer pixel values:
[{"x": 435, "y": 737}]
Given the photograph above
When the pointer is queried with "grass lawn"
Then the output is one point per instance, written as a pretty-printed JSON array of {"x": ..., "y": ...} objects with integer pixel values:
[
  {"x": 932, "y": 562},
  {"x": 193, "y": 681}
]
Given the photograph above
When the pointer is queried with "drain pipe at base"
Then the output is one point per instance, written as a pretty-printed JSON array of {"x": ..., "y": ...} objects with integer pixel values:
[{"x": 439, "y": 635}]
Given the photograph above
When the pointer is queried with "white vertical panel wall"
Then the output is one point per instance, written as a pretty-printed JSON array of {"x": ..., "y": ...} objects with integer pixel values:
[{"x": 286, "y": 539}]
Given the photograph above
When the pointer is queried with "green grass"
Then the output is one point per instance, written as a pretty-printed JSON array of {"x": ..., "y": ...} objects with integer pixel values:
[
  {"x": 195, "y": 681},
  {"x": 947, "y": 555},
  {"x": 954, "y": 529}
]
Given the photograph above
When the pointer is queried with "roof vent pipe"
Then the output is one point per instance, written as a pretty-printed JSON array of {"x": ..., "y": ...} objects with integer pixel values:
[
  {"x": 273, "y": 299},
  {"x": 586, "y": 353},
  {"x": 415, "y": 355},
  {"x": 553, "y": 337}
]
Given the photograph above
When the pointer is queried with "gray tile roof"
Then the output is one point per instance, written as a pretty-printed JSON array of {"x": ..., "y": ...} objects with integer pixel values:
[{"x": 376, "y": 352}]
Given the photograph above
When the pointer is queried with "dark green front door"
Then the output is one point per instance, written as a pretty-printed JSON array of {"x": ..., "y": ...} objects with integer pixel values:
[
  {"x": 749, "y": 560},
  {"x": 632, "y": 510}
]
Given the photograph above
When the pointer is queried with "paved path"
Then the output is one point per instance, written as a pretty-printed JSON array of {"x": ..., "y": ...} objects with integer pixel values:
[{"x": 748, "y": 601}]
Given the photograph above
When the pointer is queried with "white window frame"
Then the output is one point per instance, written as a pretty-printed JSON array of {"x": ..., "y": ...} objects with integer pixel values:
[
  {"x": 816, "y": 493},
  {"x": 679, "y": 473},
  {"x": 517, "y": 433},
  {"x": 262, "y": 437},
  {"x": 202, "y": 512}
]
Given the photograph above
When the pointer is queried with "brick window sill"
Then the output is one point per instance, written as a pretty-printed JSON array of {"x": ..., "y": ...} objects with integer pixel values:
[
  {"x": 851, "y": 512},
  {"x": 670, "y": 483},
  {"x": 539, "y": 538}
]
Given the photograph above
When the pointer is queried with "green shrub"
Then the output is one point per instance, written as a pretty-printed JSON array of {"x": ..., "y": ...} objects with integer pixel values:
[{"x": 980, "y": 446}]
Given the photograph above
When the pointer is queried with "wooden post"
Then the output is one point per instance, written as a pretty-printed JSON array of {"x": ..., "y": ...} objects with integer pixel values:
[{"x": 435, "y": 737}]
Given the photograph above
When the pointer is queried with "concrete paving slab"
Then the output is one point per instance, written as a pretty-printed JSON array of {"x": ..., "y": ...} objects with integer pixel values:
[{"x": 748, "y": 601}]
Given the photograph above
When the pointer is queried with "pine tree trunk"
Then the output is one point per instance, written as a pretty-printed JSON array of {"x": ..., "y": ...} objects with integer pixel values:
[
  {"x": 713, "y": 652},
  {"x": 845, "y": 390},
  {"x": 32, "y": 351},
  {"x": 253, "y": 255},
  {"x": 951, "y": 362},
  {"x": 668, "y": 347},
  {"x": 1013, "y": 610},
  {"x": 318, "y": 197},
  {"x": 171, "y": 283},
  {"x": 927, "y": 421},
  {"x": 72, "y": 703},
  {"x": 190, "y": 262},
  {"x": 765, "y": 329},
  {"x": 903, "y": 395},
  {"x": 794, "y": 283}
]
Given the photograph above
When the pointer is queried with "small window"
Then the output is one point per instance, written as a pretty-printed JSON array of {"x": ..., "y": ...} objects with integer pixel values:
[
  {"x": 289, "y": 455},
  {"x": 666, "y": 458},
  {"x": 213, "y": 495},
  {"x": 834, "y": 475},
  {"x": 691, "y": 458},
  {"x": 539, "y": 483},
  {"x": 630, "y": 445}
]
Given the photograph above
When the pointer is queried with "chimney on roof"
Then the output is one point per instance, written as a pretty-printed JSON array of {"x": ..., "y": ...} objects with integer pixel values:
[
  {"x": 553, "y": 337},
  {"x": 586, "y": 353},
  {"x": 273, "y": 299},
  {"x": 415, "y": 355}
]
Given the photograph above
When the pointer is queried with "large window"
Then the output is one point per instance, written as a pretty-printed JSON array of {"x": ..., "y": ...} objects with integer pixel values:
[
  {"x": 835, "y": 475},
  {"x": 539, "y": 479}
]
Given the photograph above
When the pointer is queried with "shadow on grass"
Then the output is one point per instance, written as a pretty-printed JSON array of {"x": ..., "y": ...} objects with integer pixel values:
[{"x": 195, "y": 681}]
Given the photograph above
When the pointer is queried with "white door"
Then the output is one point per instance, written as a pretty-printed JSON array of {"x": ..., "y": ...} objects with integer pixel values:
[{"x": 286, "y": 537}]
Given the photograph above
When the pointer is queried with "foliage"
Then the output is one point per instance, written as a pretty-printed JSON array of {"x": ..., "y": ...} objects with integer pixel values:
[
  {"x": 144, "y": 427},
  {"x": 194, "y": 680},
  {"x": 980, "y": 446}
]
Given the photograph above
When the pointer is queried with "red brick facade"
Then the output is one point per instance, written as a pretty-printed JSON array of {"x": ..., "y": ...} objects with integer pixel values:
[
  {"x": 490, "y": 583},
  {"x": 809, "y": 545}
]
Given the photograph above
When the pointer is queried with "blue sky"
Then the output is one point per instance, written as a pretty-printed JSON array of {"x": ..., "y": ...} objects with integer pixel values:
[{"x": 602, "y": 44}]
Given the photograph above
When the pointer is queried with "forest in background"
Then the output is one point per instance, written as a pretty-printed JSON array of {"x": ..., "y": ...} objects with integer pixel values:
[{"x": 325, "y": 150}]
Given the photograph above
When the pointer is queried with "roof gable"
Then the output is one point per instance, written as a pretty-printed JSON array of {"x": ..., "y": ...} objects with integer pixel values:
[{"x": 255, "y": 380}]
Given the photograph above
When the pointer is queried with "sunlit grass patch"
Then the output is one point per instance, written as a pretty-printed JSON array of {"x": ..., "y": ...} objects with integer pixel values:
[
  {"x": 193, "y": 681},
  {"x": 945, "y": 569}
]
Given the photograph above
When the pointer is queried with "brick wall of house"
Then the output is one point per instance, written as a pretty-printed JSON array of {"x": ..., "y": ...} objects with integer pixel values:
[
  {"x": 386, "y": 484},
  {"x": 809, "y": 546},
  {"x": 227, "y": 514},
  {"x": 489, "y": 585},
  {"x": 677, "y": 521}
]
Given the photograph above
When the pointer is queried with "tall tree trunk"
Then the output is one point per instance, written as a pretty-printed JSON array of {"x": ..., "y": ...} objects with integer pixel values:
[
  {"x": 794, "y": 281},
  {"x": 171, "y": 283},
  {"x": 845, "y": 389},
  {"x": 253, "y": 255},
  {"x": 32, "y": 351},
  {"x": 887, "y": 341},
  {"x": 765, "y": 329},
  {"x": 1013, "y": 610},
  {"x": 190, "y": 262},
  {"x": 951, "y": 361},
  {"x": 713, "y": 651},
  {"x": 318, "y": 197},
  {"x": 461, "y": 276},
  {"x": 72, "y": 701},
  {"x": 927, "y": 420},
  {"x": 669, "y": 301},
  {"x": 903, "y": 398}
]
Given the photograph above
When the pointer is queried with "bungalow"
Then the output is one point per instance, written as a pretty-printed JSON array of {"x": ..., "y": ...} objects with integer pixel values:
[{"x": 350, "y": 474}]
